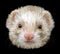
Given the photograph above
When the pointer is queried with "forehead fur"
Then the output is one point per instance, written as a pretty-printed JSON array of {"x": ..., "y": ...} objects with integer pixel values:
[
  {"x": 30, "y": 14},
  {"x": 31, "y": 8},
  {"x": 29, "y": 18}
]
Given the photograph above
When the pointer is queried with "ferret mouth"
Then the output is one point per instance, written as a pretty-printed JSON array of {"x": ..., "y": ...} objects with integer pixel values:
[{"x": 29, "y": 42}]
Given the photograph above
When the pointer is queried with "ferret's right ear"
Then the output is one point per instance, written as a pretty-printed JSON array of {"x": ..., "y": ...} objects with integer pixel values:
[{"x": 11, "y": 18}]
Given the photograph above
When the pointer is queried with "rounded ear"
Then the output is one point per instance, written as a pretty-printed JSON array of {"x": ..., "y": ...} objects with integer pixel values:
[
  {"x": 11, "y": 18},
  {"x": 48, "y": 17}
]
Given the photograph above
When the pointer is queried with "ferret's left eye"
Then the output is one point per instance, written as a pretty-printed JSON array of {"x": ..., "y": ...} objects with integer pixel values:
[
  {"x": 40, "y": 27},
  {"x": 20, "y": 26}
]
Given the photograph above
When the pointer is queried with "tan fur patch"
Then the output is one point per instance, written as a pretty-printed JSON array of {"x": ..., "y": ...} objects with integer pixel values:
[
  {"x": 13, "y": 15},
  {"x": 47, "y": 18}
]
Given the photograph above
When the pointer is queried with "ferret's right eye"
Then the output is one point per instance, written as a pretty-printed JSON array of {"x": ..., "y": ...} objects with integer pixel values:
[{"x": 19, "y": 26}]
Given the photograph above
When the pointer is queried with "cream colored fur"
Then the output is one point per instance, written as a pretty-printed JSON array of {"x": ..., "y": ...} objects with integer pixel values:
[{"x": 30, "y": 17}]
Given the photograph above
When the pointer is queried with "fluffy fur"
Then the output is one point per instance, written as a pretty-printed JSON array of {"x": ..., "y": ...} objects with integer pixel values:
[{"x": 30, "y": 17}]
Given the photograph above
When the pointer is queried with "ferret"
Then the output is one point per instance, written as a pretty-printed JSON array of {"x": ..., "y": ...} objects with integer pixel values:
[{"x": 29, "y": 27}]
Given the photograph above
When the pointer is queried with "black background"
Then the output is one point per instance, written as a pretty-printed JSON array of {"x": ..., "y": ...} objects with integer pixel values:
[{"x": 6, "y": 6}]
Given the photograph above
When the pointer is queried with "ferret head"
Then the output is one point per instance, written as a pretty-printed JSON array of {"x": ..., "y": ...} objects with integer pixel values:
[{"x": 29, "y": 27}]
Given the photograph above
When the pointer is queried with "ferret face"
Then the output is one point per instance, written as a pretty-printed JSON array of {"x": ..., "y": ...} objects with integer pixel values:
[{"x": 28, "y": 29}]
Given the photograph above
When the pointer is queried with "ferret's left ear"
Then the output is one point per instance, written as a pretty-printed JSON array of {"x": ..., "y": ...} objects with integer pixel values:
[{"x": 48, "y": 17}]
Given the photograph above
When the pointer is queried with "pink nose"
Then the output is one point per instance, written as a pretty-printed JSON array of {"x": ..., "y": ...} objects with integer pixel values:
[{"x": 29, "y": 36}]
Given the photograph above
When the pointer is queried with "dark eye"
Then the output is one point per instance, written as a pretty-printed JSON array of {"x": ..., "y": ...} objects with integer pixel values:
[
  {"x": 40, "y": 27},
  {"x": 20, "y": 26}
]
